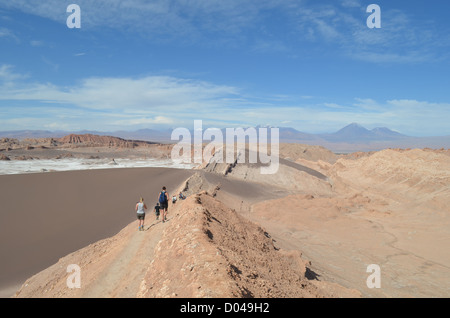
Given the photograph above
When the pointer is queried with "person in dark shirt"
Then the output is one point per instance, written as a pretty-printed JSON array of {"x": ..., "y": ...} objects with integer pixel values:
[
  {"x": 157, "y": 208},
  {"x": 163, "y": 199}
]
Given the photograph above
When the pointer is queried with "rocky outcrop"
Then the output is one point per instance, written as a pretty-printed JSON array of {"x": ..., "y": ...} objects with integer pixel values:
[
  {"x": 100, "y": 141},
  {"x": 9, "y": 143}
]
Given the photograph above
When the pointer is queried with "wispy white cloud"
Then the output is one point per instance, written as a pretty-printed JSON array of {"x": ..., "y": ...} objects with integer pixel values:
[
  {"x": 236, "y": 23},
  {"x": 125, "y": 93},
  {"x": 36, "y": 43},
  {"x": 52, "y": 64},
  {"x": 351, "y": 3},
  {"x": 143, "y": 121},
  {"x": 114, "y": 103},
  {"x": 8, "y": 34},
  {"x": 168, "y": 18},
  {"x": 400, "y": 40},
  {"x": 120, "y": 101},
  {"x": 7, "y": 75}
]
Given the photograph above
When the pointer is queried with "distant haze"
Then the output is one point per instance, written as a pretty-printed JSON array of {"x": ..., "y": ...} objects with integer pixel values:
[{"x": 353, "y": 137}]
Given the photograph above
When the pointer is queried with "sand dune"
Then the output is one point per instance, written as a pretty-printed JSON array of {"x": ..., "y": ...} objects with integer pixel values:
[
  {"x": 310, "y": 230},
  {"x": 388, "y": 208},
  {"x": 211, "y": 251},
  {"x": 204, "y": 250},
  {"x": 290, "y": 176},
  {"x": 46, "y": 216},
  {"x": 310, "y": 153}
]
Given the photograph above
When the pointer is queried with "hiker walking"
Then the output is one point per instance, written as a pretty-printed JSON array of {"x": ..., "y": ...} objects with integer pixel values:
[
  {"x": 163, "y": 200},
  {"x": 140, "y": 210},
  {"x": 157, "y": 208}
]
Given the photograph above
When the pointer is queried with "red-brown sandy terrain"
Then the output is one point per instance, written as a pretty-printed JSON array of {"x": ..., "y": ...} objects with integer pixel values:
[
  {"x": 204, "y": 250},
  {"x": 45, "y": 216},
  {"x": 310, "y": 230},
  {"x": 390, "y": 208}
]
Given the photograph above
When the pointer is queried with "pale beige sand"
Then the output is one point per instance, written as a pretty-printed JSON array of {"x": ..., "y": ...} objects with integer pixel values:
[{"x": 388, "y": 208}]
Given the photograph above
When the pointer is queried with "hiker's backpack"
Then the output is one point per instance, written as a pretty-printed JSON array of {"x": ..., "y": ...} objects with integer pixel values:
[{"x": 162, "y": 197}]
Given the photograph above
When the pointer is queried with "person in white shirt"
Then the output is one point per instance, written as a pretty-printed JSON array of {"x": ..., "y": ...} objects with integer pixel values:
[{"x": 140, "y": 210}]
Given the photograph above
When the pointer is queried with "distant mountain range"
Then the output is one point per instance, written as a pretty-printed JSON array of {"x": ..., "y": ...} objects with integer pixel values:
[
  {"x": 353, "y": 137},
  {"x": 355, "y": 133}
]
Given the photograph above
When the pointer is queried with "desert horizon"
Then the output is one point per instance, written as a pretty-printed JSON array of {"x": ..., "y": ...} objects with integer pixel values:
[
  {"x": 331, "y": 215},
  {"x": 304, "y": 147},
  {"x": 351, "y": 138}
]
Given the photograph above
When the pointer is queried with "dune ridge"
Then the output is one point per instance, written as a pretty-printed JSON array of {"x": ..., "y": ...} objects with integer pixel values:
[
  {"x": 323, "y": 218},
  {"x": 388, "y": 208},
  {"x": 211, "y": 251},
  {"x": 205, "y": 250}
]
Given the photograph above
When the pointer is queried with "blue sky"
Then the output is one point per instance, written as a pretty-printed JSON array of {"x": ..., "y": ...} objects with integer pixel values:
[{"x": 311, "y": 65}]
